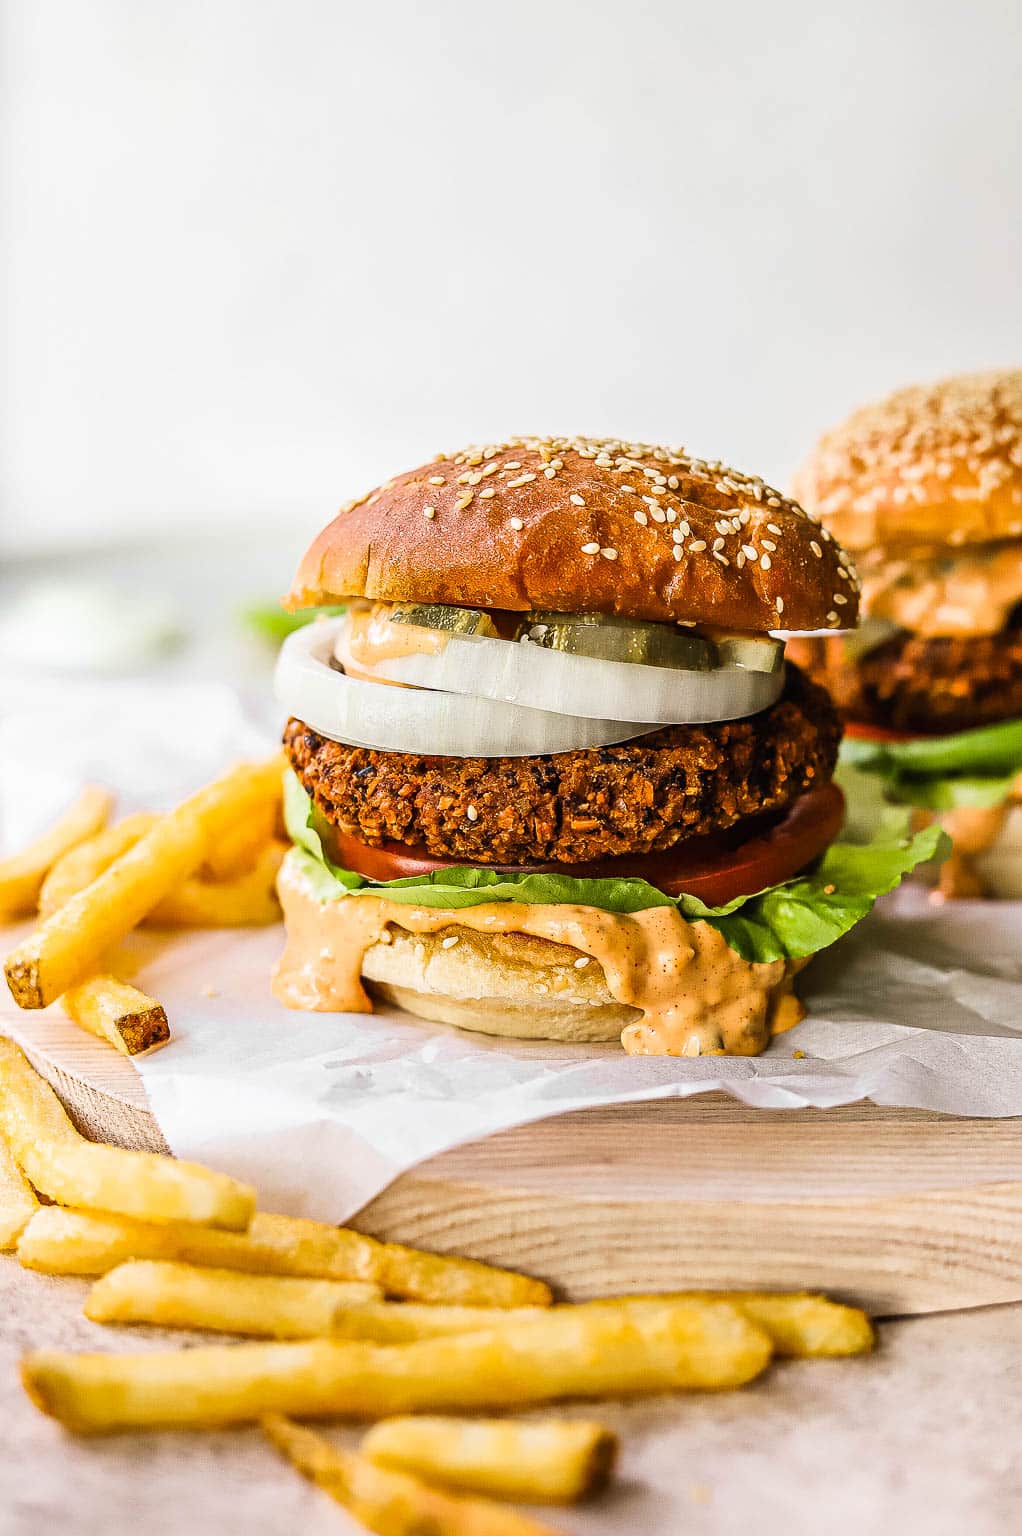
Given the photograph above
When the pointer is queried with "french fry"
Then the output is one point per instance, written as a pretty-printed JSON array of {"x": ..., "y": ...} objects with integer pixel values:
[
  {"x": 581, "y": 1352},
  {"x": 406, "y": 1322},
  {"x": 22, "y": 875},
  {"x": 66, "y": 947},
  {"x": 388, "y": 1502},
  {"x": 120, "y": 1014},
  {"x": 240, "y": 846},
  {"x": 74, "y": 1242},
  {"x": 800, "y": 1325},
  {"x": 546, "y": 1461},
  {"x": 183, "y": 1296},
  {"x": 73, "y": 1171},
  {"x": 17, "y": 1199},
  {"x": 86, "y": 862},
  {"x": 804, "y": 1325},
  {"x": 247, "y": 901}
]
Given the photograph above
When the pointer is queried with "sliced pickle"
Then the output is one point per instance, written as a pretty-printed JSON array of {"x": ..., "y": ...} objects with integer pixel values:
[
  {"x": 611, "y": 638},
  {"x": 453, "y": 621},
  {"x": 753, "y": 653}
]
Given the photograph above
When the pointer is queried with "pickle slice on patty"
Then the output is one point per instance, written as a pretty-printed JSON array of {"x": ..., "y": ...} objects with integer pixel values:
[
  {"x": 453, "y": 621},
  {"x": 753, "y": 653},
  {"x": 607, "y": 637}
]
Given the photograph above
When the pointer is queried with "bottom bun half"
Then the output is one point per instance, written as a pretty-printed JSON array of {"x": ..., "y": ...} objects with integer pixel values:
[
  {"x": 534, "y": 972},
  {"x": 501, "y": 984}
]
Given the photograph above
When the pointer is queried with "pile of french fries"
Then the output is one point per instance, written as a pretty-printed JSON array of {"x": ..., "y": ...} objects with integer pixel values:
[
  {"x": 210, "y": 862},
  {"x": 339, "y": 1325},
  {"x": 336, "y": 1324}
]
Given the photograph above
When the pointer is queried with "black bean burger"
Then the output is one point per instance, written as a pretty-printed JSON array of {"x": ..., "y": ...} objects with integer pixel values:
[{"x": 550, "y": 776}]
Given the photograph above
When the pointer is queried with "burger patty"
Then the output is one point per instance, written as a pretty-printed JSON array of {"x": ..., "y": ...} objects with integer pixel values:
[
  {"x": 926, "y": 686},
  {"x": 572, "y": 807}
]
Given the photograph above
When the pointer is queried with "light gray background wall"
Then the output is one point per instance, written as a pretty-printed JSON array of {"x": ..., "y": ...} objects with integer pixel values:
[{"x": 259, "y": 253}]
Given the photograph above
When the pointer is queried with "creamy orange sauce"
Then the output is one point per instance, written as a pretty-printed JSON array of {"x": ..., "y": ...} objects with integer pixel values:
[
  {"x": 973, "y": 830},
  {"x": 933, "y": 593},
  {"x": 369, "y": 636},
  {"x": 695, "y": 994}
]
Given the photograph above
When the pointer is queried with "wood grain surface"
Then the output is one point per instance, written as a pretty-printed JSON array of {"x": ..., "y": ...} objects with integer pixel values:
[{"x": 901, "y": 1210}]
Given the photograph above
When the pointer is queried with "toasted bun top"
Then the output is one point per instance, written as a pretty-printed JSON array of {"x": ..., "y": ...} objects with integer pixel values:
[
  {"x": 934, "y": 464},
  {"x": 583, "y": 524}
]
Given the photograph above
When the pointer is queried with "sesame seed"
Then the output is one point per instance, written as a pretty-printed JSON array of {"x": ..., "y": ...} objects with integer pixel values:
[
  {"x": 672, "y": 516},
  {"x": 450, "y": 941},
  {"x": 684, "y": 529},
  {"x": 609, "y": 554},
  {"x": 464, "y": 501},
  {"x": 429, "y": 512},
  {"x": 779, "y": 605},
  {"x": 512, "y": 464},
  {"x": 658, "y": 516},
  {"x": 488, "y": 494},
  {"x": 749, "y": 552},
  {"x": 491, "y": 469},
  {"x": 718, "y": 544},
  {"x": 437, "y": 480},
  {"x": 832, "y": 617},
  {"x": 522, "y": 480},
  {"x": 765, "y": 563},
  {"x": 577, "y": 501},
  {"x": 550, "y": 472},
  {"x": 773, "y": 501},
  {"x": 722, "y": 558},
  {"x": 840, "y": 599},
  {"x": 641, "y": 519},
  {"x": 769, "y": 545},
  {"x": 471, "y": 813},
  {"x": 697, "y": 546},
  {"x": 581, "y": 962},
  {"x": 678, "y": 551},
  {"x": 773, "y": 528},
  {"x": 677, "y": 536},
  {"x": 515, "y": 523},
  {"x": 817, "y": 551},
  {"x": 673, "y": 482},
  {"x": 590, "y": 549}
]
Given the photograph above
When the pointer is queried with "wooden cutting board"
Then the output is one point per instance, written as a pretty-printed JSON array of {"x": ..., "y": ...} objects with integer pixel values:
[{"x": 898, "y": 1209}]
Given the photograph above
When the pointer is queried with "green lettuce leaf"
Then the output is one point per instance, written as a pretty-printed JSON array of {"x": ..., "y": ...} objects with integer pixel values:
[
  {"x": 789, "y": 921},
  {"x": 991, "y": 750},
  {"x": 972, "y": 768},
  {"x": 270, "y": 622}
]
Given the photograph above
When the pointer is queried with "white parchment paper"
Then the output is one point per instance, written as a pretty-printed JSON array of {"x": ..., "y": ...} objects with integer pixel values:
[{"x": 921, "y": 1006}]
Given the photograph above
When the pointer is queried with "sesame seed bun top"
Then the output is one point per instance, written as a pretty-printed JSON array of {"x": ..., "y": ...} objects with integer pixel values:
[
  {"x": 934, "y": 464},
  {"x": 585, "y": 524}
]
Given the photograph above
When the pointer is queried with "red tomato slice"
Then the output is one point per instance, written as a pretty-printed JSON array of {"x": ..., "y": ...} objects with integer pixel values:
[
  {"x": 859, "y": 731},
  {"x": 706, "y": 867}
]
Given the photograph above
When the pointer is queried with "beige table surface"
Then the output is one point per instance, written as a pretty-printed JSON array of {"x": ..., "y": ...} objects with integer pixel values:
[{"x": 923, "y": 1437}]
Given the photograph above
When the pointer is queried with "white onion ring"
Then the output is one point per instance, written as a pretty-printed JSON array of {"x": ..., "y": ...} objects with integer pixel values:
[
  {"x": 421, "y": 720},
  {"x": 590, "y": 687}
]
